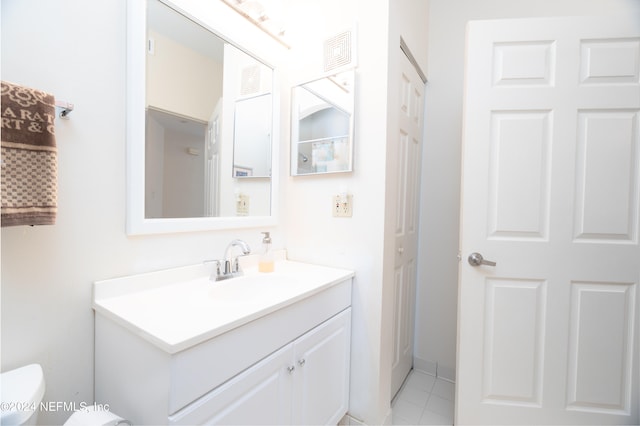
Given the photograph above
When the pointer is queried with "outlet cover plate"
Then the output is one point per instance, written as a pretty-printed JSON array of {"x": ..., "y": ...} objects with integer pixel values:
[{"x": 342, "y": 207}]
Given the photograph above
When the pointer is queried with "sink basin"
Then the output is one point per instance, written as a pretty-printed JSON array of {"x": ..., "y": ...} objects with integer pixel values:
[
  {"x": 178, "y": 308},
  {"x": 248, "y": 287}
]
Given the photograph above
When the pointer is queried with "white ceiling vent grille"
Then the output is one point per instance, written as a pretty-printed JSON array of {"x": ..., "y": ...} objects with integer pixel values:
[
  {"x": 250, "y": 82},
  {"x": 339, "y": 51}
]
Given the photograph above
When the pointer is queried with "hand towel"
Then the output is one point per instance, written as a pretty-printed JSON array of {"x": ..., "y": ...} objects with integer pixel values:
[{"x": 29, "y": 157}]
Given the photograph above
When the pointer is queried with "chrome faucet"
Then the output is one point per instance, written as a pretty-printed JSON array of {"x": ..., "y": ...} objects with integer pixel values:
[{"x": 231, "y": 264}]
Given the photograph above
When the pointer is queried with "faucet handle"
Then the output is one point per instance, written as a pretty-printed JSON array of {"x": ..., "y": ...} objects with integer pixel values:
[{"x": 217, "y": 262}]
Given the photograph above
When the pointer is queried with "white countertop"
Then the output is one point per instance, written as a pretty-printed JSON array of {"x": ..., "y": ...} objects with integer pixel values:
[{"x": 178, "y": 308}]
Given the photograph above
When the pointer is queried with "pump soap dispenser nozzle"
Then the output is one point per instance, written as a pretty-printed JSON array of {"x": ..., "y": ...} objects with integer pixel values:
[{"x": 265, "y": 264}]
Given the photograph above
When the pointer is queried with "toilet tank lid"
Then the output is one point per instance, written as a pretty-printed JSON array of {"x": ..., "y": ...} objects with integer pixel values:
[{"x": 21, "y": 391}]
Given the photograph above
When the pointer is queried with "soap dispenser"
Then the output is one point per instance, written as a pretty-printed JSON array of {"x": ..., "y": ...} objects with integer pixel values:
[{"x": 265, "y": 264}]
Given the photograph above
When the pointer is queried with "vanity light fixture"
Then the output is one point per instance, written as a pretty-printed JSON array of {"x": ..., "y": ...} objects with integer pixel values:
[{"x": 256, "y": 12}]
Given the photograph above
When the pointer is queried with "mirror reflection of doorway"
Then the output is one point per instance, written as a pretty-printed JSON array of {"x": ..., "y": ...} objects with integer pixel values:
[{"x": 175, "y": 169}]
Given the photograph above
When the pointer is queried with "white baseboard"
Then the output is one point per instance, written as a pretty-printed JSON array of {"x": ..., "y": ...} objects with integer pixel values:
[
  {"x": 388, "y": 420},
  {"x": 447, "y": 373},
  {"x": 349, "y": 420},
  {"x": 435, "y": 369},
  {"x": 425, "y": 366}
]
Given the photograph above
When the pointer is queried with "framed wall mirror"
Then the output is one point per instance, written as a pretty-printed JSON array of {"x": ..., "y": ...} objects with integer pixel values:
[
  {"x": 322, "y": 115},
  {"x": 200, "y": 129}
]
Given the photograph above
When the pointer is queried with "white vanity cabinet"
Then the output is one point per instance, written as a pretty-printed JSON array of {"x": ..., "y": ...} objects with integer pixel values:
[
  {"x": 286, "y": 363},
  {"x": 321, "y": 376},
  {"x": 304, "y": 383}
]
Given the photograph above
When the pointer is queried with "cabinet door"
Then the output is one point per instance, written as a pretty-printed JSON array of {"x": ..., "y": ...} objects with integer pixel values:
[
  {"x": 322, "y": 361},
  {"x": 260, "y": 395}
]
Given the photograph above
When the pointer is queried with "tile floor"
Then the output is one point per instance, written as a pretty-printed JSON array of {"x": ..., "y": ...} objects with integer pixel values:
[{"x": 424, "y": 400}]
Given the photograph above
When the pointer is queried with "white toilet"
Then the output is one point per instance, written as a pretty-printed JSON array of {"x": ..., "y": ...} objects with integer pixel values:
[
  {"x": 21, "y": 392},
  {"x": 95, "y": 416}
]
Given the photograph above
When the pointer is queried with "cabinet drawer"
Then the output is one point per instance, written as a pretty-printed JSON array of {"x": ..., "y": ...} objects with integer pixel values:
[
  {"x": 304, "y": 382},
  {"x": 259, "y": 395},
  {"x": 198, "y": 370}
]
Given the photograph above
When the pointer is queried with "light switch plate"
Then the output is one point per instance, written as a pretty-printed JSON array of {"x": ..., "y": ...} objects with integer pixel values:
[{"x": 242, "y": 205}]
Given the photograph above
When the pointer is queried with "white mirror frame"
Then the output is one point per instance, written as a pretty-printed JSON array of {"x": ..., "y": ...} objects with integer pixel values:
[{"x": 206, "y": 13}]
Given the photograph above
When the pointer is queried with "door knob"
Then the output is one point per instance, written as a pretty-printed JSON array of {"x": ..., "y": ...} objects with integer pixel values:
[{"x": 476, "y": 259}]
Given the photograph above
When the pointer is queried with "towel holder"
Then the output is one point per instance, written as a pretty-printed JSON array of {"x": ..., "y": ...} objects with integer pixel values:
[{"x": 65, "y": 108}]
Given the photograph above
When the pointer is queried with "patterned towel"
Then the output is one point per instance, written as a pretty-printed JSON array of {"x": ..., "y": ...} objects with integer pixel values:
[{"x": 29, "y": 157}]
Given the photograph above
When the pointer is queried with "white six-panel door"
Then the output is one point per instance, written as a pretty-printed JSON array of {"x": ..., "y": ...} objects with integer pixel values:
[
  {"x": 551, "y": 193},
  {"x": 408, "y": 153}
]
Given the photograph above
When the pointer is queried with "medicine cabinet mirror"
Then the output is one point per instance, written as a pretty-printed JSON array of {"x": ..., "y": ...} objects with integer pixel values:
[
  {"x": 200, "y": 130},
  {"x": 322, "y": 114}
]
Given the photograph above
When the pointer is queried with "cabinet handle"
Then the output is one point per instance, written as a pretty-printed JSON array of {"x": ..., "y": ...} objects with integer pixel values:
[
  {"x": 291, "y": 368},
  {"x": 302, "y": 362}
]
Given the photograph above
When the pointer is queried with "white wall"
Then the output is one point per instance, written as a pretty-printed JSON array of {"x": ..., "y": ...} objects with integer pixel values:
[
  {"x": 183, "y": 173},
  {"x": 438, "y": 269},
  {"x": 75, "y": 49},
  {"x": 357, "y": 243},
  {"x": 182, "y": 80}
]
